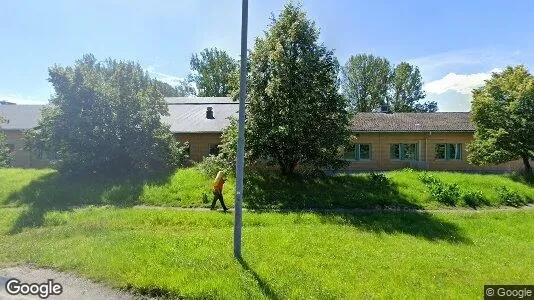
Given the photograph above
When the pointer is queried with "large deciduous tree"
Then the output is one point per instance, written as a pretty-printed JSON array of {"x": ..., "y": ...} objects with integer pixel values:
[
  {"x": 296, "y": 115},
  {"x": 370, "y": 82},
  {"x": 407, "y": 89},
  {"x": 181, "y": 89},
  {"x": 365, "y": 82},
  {"x": 105, "y": 118},
  {"x": 503, "y": 113},
  {"x": 212, "y": 70}
]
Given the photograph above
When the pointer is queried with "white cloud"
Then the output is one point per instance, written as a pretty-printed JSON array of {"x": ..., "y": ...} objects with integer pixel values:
[
  {"x": 167, "y": 78},
  {"x": 461, "y": 83}
]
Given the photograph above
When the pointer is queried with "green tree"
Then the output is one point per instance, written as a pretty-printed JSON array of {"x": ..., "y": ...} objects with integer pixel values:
[
  {"x": 296, "y": 115},
  {"x": 365, "y": 82},
  {"x": 105, "y": 118},
  {"x": 503, "y": 112},
  {"x": 5, "y": 152},
  {"x": 407, "y": 90},
  {"x": 212, "y": 70},
  {"x": 182, "y": 89}
]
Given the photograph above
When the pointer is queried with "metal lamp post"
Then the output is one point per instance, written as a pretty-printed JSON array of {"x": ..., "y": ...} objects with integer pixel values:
[{"x": 240, "y": 163}]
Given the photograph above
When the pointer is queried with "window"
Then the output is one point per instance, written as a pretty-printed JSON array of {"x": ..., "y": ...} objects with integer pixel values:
[
  {"x": 448, "y": 151},
  {"x": 214, "y": 149},
  {"x": 403, "y": 151},
  {"x": 360, "y": 152}
]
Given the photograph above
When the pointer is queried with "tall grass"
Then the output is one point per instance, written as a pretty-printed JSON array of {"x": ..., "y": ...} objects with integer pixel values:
[{"x": 191, "y": 188}]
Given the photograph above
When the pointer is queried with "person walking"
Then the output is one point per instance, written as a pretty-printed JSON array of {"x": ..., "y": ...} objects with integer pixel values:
[{"x": 218, "y": 184}]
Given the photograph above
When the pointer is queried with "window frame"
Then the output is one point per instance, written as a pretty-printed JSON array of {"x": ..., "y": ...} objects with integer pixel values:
[
  {"x": 402, "y": 151},
  {"x": 356, "y": 150},
  {"x": 458, "y": 152}
]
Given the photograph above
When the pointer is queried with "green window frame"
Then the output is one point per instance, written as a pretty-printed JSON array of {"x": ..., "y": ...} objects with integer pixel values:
[
  {"x": 405, "y": 152},
  {"x": 360, "y": 152},
  {"x": 448, "y": 151}
]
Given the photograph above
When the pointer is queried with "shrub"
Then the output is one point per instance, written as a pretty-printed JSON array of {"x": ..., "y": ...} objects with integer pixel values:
[
  {"x": 448, "y": 194},
  {"x": 509, "y": 197},
  {"x": 474, "y": 199},
  {"x": 428, "y": 179},
  {"x": 379, "y": 179},
  {"x": 212, "y": 164}
]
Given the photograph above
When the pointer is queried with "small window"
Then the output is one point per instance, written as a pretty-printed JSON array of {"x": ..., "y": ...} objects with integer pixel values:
[
  {"x": 214, "y": 149},
  {"x": 448, "y": 151},
  {"x": 359, "y": 152},
  {"x": 403, "y": 151}
]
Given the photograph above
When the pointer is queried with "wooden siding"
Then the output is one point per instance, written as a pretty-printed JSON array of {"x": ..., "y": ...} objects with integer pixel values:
[
  {"x": 380, "y": 152},
  {"x": 23, "y": 158},
  {"x": 199, "y": 143}
]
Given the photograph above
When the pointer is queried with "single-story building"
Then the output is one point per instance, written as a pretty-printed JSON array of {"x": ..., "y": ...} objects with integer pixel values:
[
  {"x": 435, "y": 141},
  {"x": 381, "y": 141},
  {"x": 196, "y": 120}
]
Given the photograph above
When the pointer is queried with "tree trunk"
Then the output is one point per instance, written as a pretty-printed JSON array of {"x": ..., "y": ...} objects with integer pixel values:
[{"x": 526, "y": 162}]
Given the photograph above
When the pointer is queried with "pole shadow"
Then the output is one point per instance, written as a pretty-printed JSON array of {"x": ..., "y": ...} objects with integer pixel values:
[{"x": 266, "y": 289}]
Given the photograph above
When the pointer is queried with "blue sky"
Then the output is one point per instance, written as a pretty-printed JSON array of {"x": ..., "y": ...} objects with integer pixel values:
[{"x": 456, "y": 44}]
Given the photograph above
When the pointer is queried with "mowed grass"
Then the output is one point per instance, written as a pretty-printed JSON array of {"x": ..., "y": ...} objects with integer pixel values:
[
  {"x": 293, "y": 255},
  {"x": 191, "y": 188}
]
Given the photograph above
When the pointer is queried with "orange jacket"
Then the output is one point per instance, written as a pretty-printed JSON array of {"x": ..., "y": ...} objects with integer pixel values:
[{"x": 218, "y": 184}]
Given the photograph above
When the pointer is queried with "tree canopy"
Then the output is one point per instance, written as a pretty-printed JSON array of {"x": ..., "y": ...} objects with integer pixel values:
[
  {"x": 182, "y": 89},
  {"x": 370, "y": 82},
  {"x": 212, "y": 70},
  {"x": 503, "y": 112},
  {"x": 105, "y": 118},
  {"x": 5, "y": 152},
  {"x": 365, "y": 82},
  {"x": 296, "y": 115}
]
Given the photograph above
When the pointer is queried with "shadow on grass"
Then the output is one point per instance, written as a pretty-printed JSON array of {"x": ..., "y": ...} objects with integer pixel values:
[
  {"x": 522, "y": 177},
  {"x": 55, "y": 192},
  {"x": 264, "y": 286},
  {"x": 418, "y": 224},
  {"x": 264, "y": 190}
]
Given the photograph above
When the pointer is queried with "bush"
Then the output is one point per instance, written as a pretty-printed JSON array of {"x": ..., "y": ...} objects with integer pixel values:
[
  {"x": 212, "y": 164},
  {"x": 448, "y": 194},
  {"x": 379, "y": 179},
  {"x": 428, "y": 179},
  {"x": 474, "y": 199},
  {"x": 509, "y": 197}
]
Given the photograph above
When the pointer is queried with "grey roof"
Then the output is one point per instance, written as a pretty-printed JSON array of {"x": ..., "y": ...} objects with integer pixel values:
[
  {"x": 199, "y": 100},
  {"x": 412, "y": 122},
  {"x": 191, "y": 118},
  {"x": 188, "y": 115},
  {"x": 20, "y": 117}
]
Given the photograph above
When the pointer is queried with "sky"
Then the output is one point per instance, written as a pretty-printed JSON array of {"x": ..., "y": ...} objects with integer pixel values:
[{"x": 456, "y": 44}]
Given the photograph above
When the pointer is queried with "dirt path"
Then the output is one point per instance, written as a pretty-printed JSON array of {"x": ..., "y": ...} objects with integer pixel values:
[
  {"x": 347, "y": 210},
  {"x": 74, "y": 287}
]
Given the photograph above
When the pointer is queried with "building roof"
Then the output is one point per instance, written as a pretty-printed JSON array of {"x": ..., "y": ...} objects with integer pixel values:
[
  {"x": 20, "y": 117},
  {"x": 191, "y": 118},
  {"x": 188, "y": 115},
  {"x": 413, "y": 122}
]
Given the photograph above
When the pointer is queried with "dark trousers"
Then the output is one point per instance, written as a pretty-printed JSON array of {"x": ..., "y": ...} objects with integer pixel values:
[{"x": 218, "y": 196}]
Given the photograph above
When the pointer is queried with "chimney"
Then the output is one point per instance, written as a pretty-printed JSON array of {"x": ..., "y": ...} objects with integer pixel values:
[{"x": 209, "y": 113}]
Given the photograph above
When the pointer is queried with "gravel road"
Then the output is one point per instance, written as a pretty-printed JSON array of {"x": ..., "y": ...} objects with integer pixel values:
[{"x": 74, "y": 287}]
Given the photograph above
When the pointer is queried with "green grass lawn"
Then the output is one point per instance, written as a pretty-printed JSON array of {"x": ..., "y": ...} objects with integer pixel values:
[
  {"x": 292, "y": 255},
  {"x": 186, "y": 187}
]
